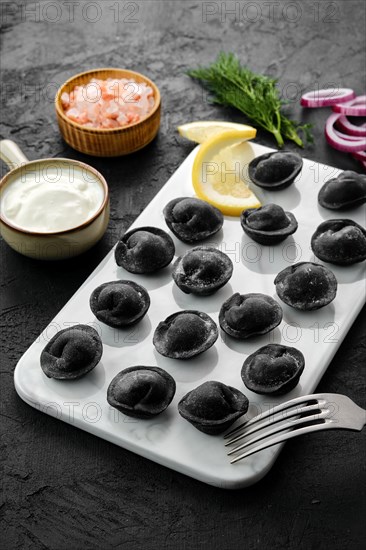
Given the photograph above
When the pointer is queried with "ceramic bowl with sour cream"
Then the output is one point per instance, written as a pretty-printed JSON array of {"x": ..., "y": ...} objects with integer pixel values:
[{"x": 54, "y": 208}]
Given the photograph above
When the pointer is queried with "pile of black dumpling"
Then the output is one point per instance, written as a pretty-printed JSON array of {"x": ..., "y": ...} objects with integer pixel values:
[
  {"x": 202, "y": 270},
  {"x": 144, "y": 250},
  {"x": 306, "y": 286},
  {"x": 120, "y": 303},
  {"x": 185, "y": 334},
  {"x": 341, "y": 242},
  {"x": 245, "y": 315},
  {"x": 144, "y": 392},
  {"x": 274, "y": 369},
  {"x": 71, "y": 353},
  {"x": 141, "y": 392},
  {"x": 212, "y": 407},
  {"x": 192, "y": 219}
]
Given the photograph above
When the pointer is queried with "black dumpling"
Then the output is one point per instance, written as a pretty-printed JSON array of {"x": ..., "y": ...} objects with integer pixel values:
[
  {"x": 213, "y": 406},
  {"x": 202, "y": 270},
  {"x": 119, "y": 303},
  {"x": 141, "y": 392},
  {"x": 268, "y": 224},
  {"x": 72, "y": 353},
  {"x": 274, "y": 369},
  {"x": 346, "y": 191},
  {"x": 185, "y": 334},
  {"x": 245, "y": 315},
  {"x": 192, "y": 220},
  {"x": 306, "y": 286},
  {"x": 276, "y": 170},
  {"x": 341, "y": 242},
  {"x": 144, "y": 250}
]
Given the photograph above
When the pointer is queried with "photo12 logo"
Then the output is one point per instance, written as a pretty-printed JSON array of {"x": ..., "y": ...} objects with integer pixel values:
[
  {"x": 130, "y": 336},
  {"x": 253, "y": 12},
  {"x": 68, "y": 11}
]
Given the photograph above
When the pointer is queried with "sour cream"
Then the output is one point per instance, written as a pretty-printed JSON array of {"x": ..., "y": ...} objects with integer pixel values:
[{"x": 51, "y": 197}]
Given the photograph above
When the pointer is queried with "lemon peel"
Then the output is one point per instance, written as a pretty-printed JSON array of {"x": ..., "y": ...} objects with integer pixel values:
[
  {"x": 201, "y": 130},
  {"x": 219, "y": 172}
]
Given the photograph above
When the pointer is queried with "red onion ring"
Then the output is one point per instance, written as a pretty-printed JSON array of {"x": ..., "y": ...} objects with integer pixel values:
[
  {"x": 360, "y": 155},
  {"x": 351, "y": 129},
  {"x": 328, "y": 96},
  {"x": 342, "y": 135},
  {"x": 339, "y": 142},
  {"x": 358, "y": 99},
  {"x": 355, "y": 107}
]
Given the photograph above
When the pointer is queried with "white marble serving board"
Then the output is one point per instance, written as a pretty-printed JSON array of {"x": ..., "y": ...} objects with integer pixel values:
[{"x": 169, "y": 439}]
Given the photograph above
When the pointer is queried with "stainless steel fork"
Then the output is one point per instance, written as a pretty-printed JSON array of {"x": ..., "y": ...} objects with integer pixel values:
[{"x": 309, "y": 413}]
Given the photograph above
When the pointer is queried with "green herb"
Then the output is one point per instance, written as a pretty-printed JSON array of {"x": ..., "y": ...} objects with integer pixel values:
[{"x": 253, "y": 94}]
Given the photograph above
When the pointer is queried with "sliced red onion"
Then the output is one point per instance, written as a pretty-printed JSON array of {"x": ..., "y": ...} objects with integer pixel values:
[
  {"x": 358, "y": 99},
  {"x": 352, "y": 110},
  {"x": 360, "y": 155},
  {"x": 355, "y": 107},
  {"x": 348, "y": 137},
  {"x": 351, "y": 129},
  {"x": 338, "y": 141},
  {"x": 328, "y": 96}
]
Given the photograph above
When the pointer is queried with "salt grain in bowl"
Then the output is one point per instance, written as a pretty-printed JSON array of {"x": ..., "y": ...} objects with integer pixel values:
[{"x": 110, "y": 103}]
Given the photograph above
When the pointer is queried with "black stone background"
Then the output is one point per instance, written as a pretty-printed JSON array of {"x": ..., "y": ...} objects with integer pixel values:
[{"x": 63, "y": 488}]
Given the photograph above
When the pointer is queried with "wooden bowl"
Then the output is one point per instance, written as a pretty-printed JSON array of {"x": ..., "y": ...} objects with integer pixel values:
[{"x": 108, "y": 142}]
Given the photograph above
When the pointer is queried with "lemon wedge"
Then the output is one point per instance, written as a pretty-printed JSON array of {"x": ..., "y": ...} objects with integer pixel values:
[
  {"x": 201, "y": 130},
  {"x": 219, "y": 173}
]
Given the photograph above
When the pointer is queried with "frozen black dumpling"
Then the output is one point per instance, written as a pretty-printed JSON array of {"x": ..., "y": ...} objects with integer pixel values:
[
  {"x": 71, "y": 353},
  {"x": 192, "y": 219},
  {"x": 119, "y": 303},
  {"x": 274, "y": 369},
  {"x": 275, "y": 171},
  {"x": 185, "y": 334},
  {"x": 346, "y": 191},
  {"x": 268, "y": 224},
  {"x": 245, "y": 315},
  {"x": 144, "y": 250},
  {"x": 306, "y": 286},
  {"x": 212, "y": 407},
  {"x": 202, "y": 270},
  {"x": 141, "y": 392},
  {"x": 341, "y": 242}
]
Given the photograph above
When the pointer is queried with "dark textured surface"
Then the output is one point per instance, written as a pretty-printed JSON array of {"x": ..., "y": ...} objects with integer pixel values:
[{"x": 65, "y": 489}]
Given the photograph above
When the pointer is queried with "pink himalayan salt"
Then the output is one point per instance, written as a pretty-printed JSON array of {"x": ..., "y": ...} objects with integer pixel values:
[{"x": 110, "y": 103}]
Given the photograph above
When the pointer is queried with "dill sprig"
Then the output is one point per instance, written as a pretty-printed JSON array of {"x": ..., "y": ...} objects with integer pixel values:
[{"x": 253, "y": 94}]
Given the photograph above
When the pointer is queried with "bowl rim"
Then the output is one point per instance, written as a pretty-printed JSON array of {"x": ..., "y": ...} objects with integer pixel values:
[
  {"x": 43, "y": 234},
  {"x": 60, "y": 112}
]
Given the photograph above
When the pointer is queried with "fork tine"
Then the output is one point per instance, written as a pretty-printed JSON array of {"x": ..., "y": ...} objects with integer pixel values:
[
  {"x": 336, "y": 412},
  {"x": 280, "y": 427},
  {"x": 284, "y": 437},
  {"x": 276, "y": 419},
  {"x": 279, "y": 408}
]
